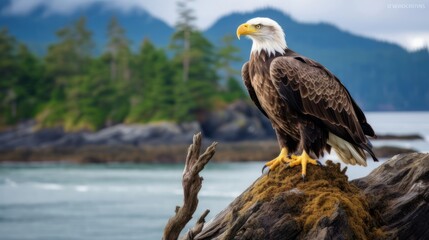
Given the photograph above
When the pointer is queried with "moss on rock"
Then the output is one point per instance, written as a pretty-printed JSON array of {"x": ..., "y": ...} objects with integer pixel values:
[{"x": 280, "y": 205}]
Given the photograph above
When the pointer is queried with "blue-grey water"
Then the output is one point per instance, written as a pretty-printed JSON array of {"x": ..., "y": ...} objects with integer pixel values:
[
  {"x": 131, "y": 201},
  {"x": 134, "y": 201}
]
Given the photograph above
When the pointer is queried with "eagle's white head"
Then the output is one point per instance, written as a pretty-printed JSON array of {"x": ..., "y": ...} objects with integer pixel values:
[{"x": 266, "y": 35}]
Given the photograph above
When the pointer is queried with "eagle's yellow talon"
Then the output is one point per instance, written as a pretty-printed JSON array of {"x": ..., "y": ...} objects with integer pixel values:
[
  {"x": 302, "y": 160},
  {"x": 281, "y": 159}
]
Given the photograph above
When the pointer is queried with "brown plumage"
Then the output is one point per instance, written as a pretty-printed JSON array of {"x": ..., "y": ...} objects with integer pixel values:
[{"x": 308, "y": 106}]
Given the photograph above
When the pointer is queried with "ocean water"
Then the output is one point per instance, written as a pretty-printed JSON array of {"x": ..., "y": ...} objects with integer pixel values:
[{"x": 134, "y": 201}]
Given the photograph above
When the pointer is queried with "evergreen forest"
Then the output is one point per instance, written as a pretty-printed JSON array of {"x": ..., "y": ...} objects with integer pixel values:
[{"x": 73, "y": 87}]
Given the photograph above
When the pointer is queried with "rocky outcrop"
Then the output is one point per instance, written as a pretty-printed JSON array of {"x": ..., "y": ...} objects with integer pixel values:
[
  {"x": 281, "y": 206},
  {"x": 399, "y": 137},
  {"x": 154, "y": 142},
  {"x": 25, "y": 137},
  {"x": 247, "y": 134},
  {"x": 238, "y": 121},
  {"x": 390, "y": 151},
  {"x": 391, "y": 203}
]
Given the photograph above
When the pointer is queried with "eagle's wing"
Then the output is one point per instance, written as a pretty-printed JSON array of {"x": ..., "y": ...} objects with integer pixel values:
[
  {"x": 246, "y": 78},
  {"x": 312, "y": 90}
]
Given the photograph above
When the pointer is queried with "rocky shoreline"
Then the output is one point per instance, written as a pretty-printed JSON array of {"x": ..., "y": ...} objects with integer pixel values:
[{"x": 243, "y": 132}]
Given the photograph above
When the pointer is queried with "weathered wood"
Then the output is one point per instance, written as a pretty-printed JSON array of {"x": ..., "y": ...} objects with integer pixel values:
[
  {"x": 190, "y": 235},
  {"x": 398, "y": 191},
  {"x": 191, "y": 183}
]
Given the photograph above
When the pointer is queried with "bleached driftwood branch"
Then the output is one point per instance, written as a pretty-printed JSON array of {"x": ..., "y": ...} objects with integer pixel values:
[{"x": 191, "y": 183}]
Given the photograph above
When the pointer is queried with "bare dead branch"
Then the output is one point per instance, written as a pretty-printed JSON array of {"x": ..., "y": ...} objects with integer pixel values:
[{"x": 191, "y": 183}]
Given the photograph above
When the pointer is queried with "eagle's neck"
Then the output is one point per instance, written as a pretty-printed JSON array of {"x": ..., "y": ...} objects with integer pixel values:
[
  {"x": 264, "y": 56},
  {"x": 271, "y": 44}
]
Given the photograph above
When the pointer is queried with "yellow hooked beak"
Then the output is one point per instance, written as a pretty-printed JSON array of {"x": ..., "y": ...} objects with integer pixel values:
[{"x": 245, "y": 29}]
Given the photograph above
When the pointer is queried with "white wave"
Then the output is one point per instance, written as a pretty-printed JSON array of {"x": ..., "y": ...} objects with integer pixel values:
[
  {"x": 122, "y": 189},
  {"x": 49, "y": 186},
  {"x": 81, "y": 188},
  {"x": 119, "y": 188}
]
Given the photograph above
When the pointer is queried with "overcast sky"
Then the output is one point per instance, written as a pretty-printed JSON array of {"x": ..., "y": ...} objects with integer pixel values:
[{"x": 405, "y": 22}]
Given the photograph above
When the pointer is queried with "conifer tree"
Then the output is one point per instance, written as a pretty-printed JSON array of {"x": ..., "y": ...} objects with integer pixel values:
[
  {"x": 196, "y": 81},
  {"x": 8, "y": 78},
  {"x": 228, "y": 57},
  {"x": 118, "y": 51},
  {"x": 122, "y": 84},
  {"x": 32, "y": 86},
  {"x": 22, "y": 86},
  {"x": 154, "y": 98},
  {"x": 68, "y": 64}
]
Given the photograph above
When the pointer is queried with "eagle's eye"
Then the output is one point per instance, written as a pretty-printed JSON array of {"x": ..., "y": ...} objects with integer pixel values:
[{"x": 258, "y": 26}]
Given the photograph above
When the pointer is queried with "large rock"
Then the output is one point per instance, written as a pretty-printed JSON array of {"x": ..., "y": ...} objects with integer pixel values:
[
  {"x": 239, "y": 121},
  {"x": 26, "y": 137},
  {"x": 390, "y": 151},
  {"x": 137, "y": 134},
  {"x": 391, "y": 203},
  {"x": 156, "y": 142}
]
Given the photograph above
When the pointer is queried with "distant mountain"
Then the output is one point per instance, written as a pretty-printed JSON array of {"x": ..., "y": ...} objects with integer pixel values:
[
  {"x": 37, "y": 29},
  {"x": 379, "y": 75}
]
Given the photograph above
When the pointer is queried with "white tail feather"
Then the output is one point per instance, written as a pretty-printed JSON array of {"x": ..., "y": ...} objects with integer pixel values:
[{"x": 346, "y": 151}]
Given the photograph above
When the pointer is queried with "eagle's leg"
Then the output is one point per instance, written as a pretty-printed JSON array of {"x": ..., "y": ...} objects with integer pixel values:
[
  {"x": 303, "y": 159},
  {"x": 281, "y": 159}
]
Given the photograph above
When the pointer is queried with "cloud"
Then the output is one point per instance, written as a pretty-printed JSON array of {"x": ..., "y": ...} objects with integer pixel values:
[
  {"x": 22, "y": 7},
  {"x": 400, "y": 21}
]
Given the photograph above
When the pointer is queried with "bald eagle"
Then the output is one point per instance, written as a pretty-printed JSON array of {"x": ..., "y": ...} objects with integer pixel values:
[{"x": 309, "y": 108}]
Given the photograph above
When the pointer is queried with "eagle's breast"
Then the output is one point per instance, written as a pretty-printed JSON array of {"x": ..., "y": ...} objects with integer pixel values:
[{"x": 279, "y": 113}]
